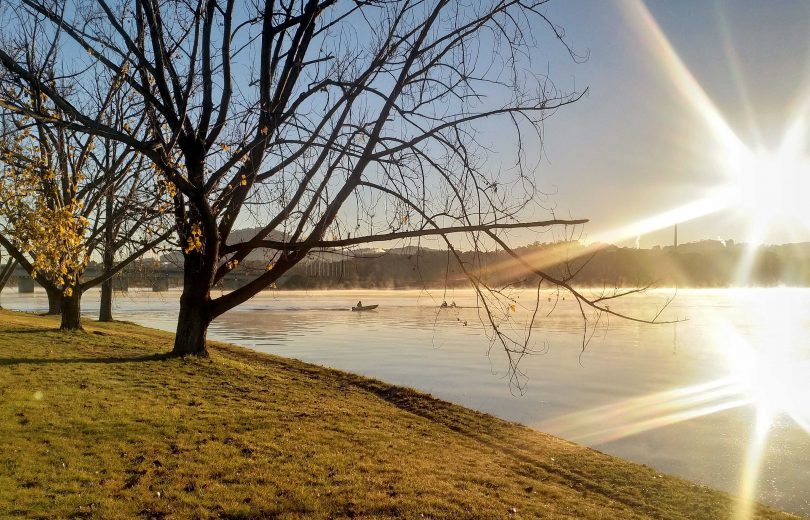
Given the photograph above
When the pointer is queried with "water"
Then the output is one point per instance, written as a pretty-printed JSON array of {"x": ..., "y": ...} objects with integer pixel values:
[{"x": 684, "y": 398}]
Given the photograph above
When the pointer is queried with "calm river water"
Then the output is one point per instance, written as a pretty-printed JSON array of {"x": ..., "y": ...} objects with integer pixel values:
[{"x": 719, "y": 398}]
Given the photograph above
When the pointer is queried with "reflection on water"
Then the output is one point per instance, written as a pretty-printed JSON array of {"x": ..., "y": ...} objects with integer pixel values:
[{"x": 685, "y": 399}]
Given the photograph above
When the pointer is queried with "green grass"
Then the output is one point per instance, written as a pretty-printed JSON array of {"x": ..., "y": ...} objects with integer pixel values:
[{"x": 97, "y": 425}]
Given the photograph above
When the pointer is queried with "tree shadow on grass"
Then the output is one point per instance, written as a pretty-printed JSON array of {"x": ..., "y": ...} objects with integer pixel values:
[
  {"x": 88, "y": 360},
  {"x": 27, "y": 330}
]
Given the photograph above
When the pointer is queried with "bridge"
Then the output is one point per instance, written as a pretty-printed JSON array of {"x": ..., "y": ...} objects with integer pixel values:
[{"x": 159, "y": 279}]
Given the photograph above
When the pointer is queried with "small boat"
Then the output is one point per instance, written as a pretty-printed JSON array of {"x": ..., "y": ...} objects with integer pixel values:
[{"x": 364, "y": 308}]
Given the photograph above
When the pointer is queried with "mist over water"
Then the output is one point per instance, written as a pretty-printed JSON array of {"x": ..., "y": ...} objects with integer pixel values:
[{"x": 676, "y": 397}]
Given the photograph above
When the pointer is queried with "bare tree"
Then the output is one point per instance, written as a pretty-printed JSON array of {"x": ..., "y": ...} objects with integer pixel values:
[
  {"x": 129, "y": 207},
  {"x": 324, "y": 123},
  {"x": 68, "y": 195}
]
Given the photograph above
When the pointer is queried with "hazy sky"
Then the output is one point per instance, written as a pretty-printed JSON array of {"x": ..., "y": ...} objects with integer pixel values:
[{"x": 636, "y": 146}]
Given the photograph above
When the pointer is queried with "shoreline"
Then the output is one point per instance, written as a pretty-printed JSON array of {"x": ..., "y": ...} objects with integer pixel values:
[{"x": 442, "y": 459}]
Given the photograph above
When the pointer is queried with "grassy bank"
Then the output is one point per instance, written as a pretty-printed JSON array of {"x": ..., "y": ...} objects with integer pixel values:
[{"x": 98, "y": 425}]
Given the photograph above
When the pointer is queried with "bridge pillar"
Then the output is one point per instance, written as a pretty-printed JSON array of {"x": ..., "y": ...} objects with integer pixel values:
[
  {"x": 160, "y": 285},
  {"x": 25, "y": 284}
]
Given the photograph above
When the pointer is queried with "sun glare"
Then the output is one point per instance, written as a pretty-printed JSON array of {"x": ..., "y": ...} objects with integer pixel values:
[
  {"x": 768, "y": 361},
  {"x": 770, "y": 364},
  {"x": 766, "y": 187},
  {"x": 771, "y": 187},
  {"x": 766, "y": 367}
]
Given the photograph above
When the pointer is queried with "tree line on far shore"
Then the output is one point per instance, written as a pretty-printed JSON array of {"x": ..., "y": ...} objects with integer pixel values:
[{"x": 708, "y": 263}]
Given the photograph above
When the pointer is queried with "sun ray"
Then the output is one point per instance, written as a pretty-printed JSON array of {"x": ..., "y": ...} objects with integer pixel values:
[
  {"x": 751, "y": 468},
  {"x": 732, "y": 149},
  {"x": 712, "y": 203},
  {"x": 733, "y": 59},
  {"x": 745, "y": 264},
  {"x": 642, "y": 20},
  {"x": 560, "y": 253},
  {"x": 639, "y": 414}
]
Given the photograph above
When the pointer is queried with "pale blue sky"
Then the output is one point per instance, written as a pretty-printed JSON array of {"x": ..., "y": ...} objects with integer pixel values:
[{"x": 635, "y": 146}]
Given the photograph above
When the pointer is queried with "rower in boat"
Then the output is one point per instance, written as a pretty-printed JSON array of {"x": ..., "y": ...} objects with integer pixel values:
[{"x": 361, "y": 307}]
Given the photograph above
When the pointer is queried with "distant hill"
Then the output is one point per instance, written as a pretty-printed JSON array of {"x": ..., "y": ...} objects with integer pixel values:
[
  {"x": 258, "y": 255},
  {"x": 237, "y": 236}
]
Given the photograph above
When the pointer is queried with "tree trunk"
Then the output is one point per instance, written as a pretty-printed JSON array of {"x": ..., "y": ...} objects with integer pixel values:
[
  {"x": 199, "y": 268},
  {"x": 192, "y": 329},
  {"x": 72, "y": 311},
  {"x": 194, "y": 317},
  {"x": 105, "y": 309},
  {"x": 54, "y": 301}
]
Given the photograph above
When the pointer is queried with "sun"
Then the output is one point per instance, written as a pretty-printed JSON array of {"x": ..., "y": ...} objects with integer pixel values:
[
  {"x": 771, "y": 188},
  {"x": 768, "y": 190}
]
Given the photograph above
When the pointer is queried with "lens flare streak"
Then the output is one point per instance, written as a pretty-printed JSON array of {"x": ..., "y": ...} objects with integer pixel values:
[
  {"x": 632, "y": 416},
  {"x": 642, "y": 21}
]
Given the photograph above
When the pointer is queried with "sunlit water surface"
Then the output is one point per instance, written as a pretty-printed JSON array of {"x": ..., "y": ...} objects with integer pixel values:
[{"x": 683, "y": 398}]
